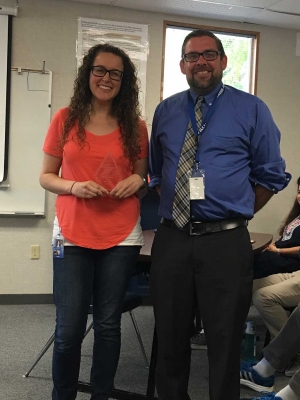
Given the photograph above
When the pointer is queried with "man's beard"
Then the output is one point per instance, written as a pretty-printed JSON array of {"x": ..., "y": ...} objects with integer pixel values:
[{"x": 206, "y": 87}]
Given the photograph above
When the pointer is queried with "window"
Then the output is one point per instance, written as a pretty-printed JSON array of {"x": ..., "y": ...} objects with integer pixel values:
[{"x": 240, "y": 48}]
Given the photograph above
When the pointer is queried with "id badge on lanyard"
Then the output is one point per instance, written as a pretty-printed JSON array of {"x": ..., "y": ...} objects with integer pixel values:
[
  {"x": 197, "y": 179},
  {"x": 197, "y": 183},
  {"x": 58, "y": 246}
]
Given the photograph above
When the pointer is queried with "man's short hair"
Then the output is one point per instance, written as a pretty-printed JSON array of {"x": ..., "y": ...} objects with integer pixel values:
[{"x": 200, "y": 33}]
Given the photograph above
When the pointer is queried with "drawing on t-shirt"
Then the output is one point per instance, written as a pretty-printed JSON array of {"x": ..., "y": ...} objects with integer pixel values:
[
  {"x": 288, "y": 230},
  {"x": 108, "y": 174}
]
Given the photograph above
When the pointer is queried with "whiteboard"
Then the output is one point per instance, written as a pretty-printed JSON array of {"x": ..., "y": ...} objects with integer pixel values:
[
  {"x": 5, "y": 58},
  {"x": 30, "y": 107}
]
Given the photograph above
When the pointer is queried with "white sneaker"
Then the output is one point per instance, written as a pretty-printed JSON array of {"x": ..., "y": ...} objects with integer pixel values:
[{"x": 198, "y": 341}]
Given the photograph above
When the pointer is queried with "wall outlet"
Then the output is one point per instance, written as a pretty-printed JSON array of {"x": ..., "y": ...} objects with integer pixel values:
[{"x": 35, "y": 251}]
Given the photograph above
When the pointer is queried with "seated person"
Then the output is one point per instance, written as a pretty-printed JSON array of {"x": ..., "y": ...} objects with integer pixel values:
[
  {"x": 260, "y": 377},
  {"x": 281, "y": 256},
  {"x": 274, "y": 293},
  {"x": 271, "y": 296}
]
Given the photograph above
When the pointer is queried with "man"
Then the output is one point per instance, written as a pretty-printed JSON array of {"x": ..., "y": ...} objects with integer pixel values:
[
  {"x": 277, "y": 354},
  {"x": 215, "y": 160}
]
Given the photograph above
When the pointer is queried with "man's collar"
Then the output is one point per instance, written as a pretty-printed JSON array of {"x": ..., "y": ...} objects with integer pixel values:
[{"x": 209, "y": 98}]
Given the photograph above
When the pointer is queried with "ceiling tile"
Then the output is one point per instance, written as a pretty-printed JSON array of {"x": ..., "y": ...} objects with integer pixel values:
[{"x": 250, "y": 11}]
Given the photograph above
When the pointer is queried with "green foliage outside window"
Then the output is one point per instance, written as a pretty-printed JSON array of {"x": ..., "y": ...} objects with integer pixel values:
[{"x": 238, "y": 51}]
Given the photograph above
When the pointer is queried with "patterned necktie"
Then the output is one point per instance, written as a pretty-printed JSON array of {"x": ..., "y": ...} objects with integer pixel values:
[{"x": 181, "y": 205}]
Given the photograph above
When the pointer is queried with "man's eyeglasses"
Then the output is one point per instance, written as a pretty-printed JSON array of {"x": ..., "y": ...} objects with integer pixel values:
[
  {"x": 99, "y": 71},
  {"x": 208, "y": 55}
]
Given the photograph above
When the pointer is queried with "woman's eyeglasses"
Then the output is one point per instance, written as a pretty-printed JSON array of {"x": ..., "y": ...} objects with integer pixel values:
[{"x": 114, "y": 74}]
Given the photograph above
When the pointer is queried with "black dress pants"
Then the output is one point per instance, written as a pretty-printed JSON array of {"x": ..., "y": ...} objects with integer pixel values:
[{"x": 216, "y": 270}]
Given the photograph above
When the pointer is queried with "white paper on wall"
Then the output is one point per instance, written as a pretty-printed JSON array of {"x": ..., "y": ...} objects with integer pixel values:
[{"x": 130, "y": 37}]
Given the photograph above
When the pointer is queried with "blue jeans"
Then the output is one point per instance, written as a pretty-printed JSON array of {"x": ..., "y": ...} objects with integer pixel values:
[{"x": 85, "y": 274}]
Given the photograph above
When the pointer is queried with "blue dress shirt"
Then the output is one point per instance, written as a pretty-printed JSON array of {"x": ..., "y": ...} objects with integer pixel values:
[{"x": 238, "y": 148}]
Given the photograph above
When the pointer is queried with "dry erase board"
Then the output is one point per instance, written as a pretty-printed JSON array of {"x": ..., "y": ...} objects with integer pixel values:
[
  {"x": 5, "y": 62},
  {"x": 30, "y": 105}
]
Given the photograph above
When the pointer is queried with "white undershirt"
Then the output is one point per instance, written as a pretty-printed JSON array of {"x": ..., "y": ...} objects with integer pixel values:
[{"x": 135, "y": 238}]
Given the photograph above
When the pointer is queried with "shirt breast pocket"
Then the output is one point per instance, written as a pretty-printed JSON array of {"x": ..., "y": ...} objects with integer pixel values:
[{"x": 226, "y": 152}]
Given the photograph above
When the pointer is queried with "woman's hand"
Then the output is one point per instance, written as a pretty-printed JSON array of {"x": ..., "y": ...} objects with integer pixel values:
[
  {"x": 127, "y": 187},
  {"x": 88, "y": 190},
  {"x": 272, "y": 248},
  {"x": 286, "y": 252}
]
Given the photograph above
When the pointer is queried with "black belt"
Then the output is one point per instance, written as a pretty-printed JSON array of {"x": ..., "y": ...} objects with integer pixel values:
[{"x": 205, "y": 228}]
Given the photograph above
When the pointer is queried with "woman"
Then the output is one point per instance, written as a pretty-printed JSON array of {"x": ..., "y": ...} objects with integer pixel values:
[
  {"x": 282, "y": 255},
  {"x": 101, "y": 147},
  {"x": 280, "y": 290}
]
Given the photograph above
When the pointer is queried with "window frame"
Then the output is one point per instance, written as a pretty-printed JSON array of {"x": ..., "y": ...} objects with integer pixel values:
[{"x": 255, "y": 48}]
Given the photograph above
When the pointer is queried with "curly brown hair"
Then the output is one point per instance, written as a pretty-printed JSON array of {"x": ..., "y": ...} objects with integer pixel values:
[
  {"x": 125, "y": 106},
  {"x": 295, "y": 211}
]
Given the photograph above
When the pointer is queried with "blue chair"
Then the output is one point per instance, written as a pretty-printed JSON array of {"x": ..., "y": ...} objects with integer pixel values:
[
  {"x": 149, "y": 210},
  {"x": 139, "y": 283}
]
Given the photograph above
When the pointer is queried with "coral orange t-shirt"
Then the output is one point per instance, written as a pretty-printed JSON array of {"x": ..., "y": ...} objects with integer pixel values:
[{"x": 100, "y": 222}]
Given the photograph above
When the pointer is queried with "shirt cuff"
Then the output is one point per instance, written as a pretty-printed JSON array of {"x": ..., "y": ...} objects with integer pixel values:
[
  {"x": 277, "y": 184},
  {"x": 154, "y": 181}
]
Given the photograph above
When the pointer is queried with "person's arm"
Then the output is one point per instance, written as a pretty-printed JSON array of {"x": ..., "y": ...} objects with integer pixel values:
[
  {"x": 137, "y": 183},
  {"x": 262, "y": 196},
  {"x": 267, "y": 165},
  {"x": 141, "y": 168},
  {"x": 289, "y": 251},
  {"x": 156, "y": 153},
  {"x": 50, "y": 180},
  {"x": 49, "y": 176}
]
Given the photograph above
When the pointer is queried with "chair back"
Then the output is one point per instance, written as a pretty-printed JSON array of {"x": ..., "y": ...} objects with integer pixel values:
[
  {"x": 139, "y": 282},
  {"x": 149, "y": 210}
]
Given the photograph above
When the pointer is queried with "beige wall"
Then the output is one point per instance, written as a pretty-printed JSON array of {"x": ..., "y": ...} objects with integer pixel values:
[{"x": 47, "y": 30}]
